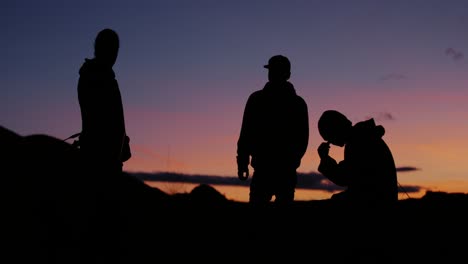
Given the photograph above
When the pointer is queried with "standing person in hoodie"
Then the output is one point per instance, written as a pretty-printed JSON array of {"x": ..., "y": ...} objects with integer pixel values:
[
  {"x": 367, "y": 170},
  {"x": 103, "y": 140},
  {"x": 273, "y": 137}
]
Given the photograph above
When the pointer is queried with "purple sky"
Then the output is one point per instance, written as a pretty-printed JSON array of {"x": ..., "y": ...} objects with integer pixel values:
[{"x": 186, "y": 68}]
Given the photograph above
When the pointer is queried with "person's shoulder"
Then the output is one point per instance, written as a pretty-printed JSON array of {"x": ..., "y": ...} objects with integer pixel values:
[
  {"x": 87, "y": 68},
  {"x": 256, "y": 94},
  {"x": 301, "y": 100}
]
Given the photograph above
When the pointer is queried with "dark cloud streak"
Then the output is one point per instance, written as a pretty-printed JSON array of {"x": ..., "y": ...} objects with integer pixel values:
[
  {"x": 311, "y": 181},
  {"x": 382, "y": 116},
  {"x": 306, "y": 181},
  {"x": 454, "y": 54},
  {"x": 406, "y": 169},
  {"x": 409, "y": 189}
]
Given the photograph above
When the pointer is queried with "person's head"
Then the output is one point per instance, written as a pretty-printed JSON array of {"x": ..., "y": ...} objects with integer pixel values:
[
  {"x": 279, "y": 68},
  {"x": 106, "y": 46},
  {"x": 334, "y": 127}
]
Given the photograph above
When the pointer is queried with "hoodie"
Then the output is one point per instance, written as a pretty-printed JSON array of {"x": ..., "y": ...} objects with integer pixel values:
[
  {"x": 368, "y": 169},
  {"x": 275, "y": 128},
  {"x": 102, "y": 116}
]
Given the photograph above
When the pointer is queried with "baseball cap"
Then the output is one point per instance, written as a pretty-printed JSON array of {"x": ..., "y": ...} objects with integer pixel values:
[{"x": 278, "y": 62}]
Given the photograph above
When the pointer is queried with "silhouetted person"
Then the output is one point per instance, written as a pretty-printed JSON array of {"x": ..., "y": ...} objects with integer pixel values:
[
  {"x": 273, "y": 137},
  {"x": 103, "y": 135},
  {"x": 103, "y": 141},
  {"x": 368, "y": 168}
]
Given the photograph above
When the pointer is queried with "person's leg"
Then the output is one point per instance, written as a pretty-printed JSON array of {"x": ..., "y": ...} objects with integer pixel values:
[
  {"x": 285, "y": 187},
  {"x": 260, "y": 190}
]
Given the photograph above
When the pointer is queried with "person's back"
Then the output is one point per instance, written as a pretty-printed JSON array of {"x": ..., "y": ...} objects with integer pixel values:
[
  {"x": 372, "y": 167},
  {"x": 277, "y": 127},
  {"x": 274, "y": 134}
]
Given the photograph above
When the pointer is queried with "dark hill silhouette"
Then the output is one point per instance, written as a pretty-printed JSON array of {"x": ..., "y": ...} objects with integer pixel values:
[{"x": 49, "y": 213}]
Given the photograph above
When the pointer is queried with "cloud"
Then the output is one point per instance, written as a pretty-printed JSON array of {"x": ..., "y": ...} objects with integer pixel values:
[
  {"x": 406, "y": 169},
  {"x": 316, "y": 181},
  {"x": 393, "y": 76},
  {"x": 454, "y": 54},
  {"x": 382, "y": 116},
  {"x": 409, "y": 189},
  {"x": 308, "y": 181},
  {"x": 189, "y": 178}
]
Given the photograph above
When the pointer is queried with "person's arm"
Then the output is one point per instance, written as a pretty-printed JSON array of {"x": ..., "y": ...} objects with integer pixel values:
[
  {"x": 335, "y": 172},
  {"x": 303, "y": 136},
  {"x": 244, "y": 142}
]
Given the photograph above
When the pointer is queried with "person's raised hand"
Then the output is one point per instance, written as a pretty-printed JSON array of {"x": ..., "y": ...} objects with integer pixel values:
[{"x": 323, "y": 150}]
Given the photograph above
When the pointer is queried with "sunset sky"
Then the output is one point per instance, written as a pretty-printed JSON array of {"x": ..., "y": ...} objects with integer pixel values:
[{"x": 186, "y": 69}]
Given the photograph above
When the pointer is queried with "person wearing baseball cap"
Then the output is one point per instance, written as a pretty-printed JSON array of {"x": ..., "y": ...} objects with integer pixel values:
[
  {"x": 274, "y": 136},
  {"x": 279, "y": 62}
]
